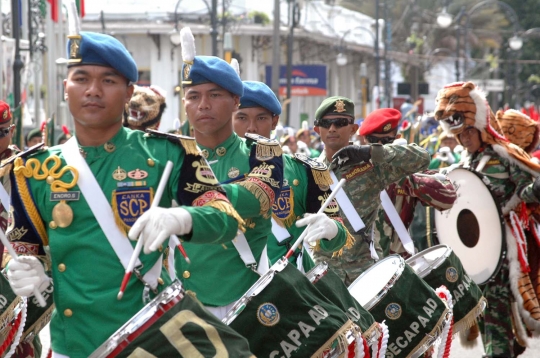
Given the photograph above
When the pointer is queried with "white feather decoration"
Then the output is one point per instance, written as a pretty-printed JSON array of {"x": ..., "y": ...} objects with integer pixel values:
[
  {"x": 176, "y": 124},
  {"x": 236, "y": 66},
  {"x": 187, "y": 42},
  {"x": 74, "y": 23}
]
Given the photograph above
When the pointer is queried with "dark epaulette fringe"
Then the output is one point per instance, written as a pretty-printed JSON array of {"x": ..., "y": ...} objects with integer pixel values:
[
  {"x": 268, "y": 151},
  {"x": 227, "y": 208},
  {"x": 190, "y": 146},
  {"x": 322, "y": 177}
]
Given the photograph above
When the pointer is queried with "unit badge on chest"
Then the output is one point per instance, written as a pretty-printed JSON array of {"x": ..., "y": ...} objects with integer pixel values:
[{"x": 129, "y": 204}]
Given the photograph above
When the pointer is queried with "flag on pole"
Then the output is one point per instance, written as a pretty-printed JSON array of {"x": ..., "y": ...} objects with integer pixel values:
[
  {"x": 80, "y": 8},
  {"x": 54, "y": 9}
]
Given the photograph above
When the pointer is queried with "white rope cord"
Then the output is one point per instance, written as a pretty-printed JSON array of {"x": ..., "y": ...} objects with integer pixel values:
[
  {"x": 19, "y": 330},
  {"x": 446, "y": 336}
]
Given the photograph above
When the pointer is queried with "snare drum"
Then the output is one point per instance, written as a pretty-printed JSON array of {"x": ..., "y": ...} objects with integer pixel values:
[
  {"x": 414, "y": 314},
  {"x": 282, "y": 314},
  {"x": 333, "y": 288},
  {"x": 11, "y": 312},
  {"x": 438, "y": 266},
  {"x": 174, "y": 324},
  {"x": 11, "y": 305},
  {"x": 474, "y": 227}
]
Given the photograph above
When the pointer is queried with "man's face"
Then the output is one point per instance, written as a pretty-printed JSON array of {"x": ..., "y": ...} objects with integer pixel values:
[
  {"x": 34, "y": 140},
  {"x": 337, "y": 135},
  {"x": 382, "y": 138},
  {"x": 449, "y": 142},
  {"x": 292, "y": 144},
  {"x": 6, "y": 130},
  {"x": 304, "y": 137},
  {"x": 470, "y": 138},
  {"x": 209, "y": 108},
  {"x": 96, "y": 95},
  {"x": 256, "y": 120}
]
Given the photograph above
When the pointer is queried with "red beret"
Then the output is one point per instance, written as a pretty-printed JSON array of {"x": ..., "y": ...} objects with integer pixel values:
[
  {"x": 5, "y": 112},
  {"x": 536, "y": 154},
  {"x": 381, "y": 120}
]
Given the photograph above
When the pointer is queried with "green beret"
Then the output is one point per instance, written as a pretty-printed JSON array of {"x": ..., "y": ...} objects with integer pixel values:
[
  {"x": 335, "y": 105},
  {"x": 36, "y": 132}
]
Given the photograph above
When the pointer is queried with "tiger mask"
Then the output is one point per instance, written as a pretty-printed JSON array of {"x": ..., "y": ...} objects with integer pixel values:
[
  {"x": 462, "y": 105},
  {"x": 145, "y": 108},
  {"x": 519, "y": 129}
]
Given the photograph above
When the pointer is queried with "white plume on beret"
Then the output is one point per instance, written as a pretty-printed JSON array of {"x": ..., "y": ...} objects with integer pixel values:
[
  {"x": 236, "y": 66},
  {"x": 187, "y": 42}
]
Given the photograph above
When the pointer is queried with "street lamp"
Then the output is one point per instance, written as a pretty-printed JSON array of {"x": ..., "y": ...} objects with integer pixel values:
[
  {"x": 444, "y": 19},
  {"x": 341, "y": 59},
  {"x": 515, "y": 42}
]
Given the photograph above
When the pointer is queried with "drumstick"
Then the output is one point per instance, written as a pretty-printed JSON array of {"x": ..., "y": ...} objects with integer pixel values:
[
  {"x": 14, "y": 255},
  {"x": 138, "y": 247},
  {"x": 321, "y": 210}
]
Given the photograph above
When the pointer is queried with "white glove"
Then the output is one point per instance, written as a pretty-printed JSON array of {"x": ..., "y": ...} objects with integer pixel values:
[
  {"x": 157, "y": 224},
  {"x": 26, "y": 274},
  {"x": 322, "y": 227}
]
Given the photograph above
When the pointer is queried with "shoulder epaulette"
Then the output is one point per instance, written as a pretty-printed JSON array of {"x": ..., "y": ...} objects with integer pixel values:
[
  {"x": 266, "y": 148},
  {"x": 319, "y": 170},
  {"x": 38, "y": 148},
  {"x": 188, "y": 143}
]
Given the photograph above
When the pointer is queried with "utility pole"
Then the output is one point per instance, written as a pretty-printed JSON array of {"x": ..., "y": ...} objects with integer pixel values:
[
  {"x": 387, "y": 44},
  {"x": 17, "y": 65},
  {"x": 276, "y": 49},
  {"x": 290, "y": 43},
  {"x": 377, "y": 58},
  {"x": 214, "y": 31}
]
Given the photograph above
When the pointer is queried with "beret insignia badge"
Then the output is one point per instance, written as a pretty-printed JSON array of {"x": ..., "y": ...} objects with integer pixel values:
[
  {"x": 387, "y": 127},
  {"x": 340, "y": 106},
  {"x": 75, "y": 49}
]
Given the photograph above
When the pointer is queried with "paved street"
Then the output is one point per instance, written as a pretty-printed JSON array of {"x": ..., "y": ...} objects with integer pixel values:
[{"x": 457, "y": 350}]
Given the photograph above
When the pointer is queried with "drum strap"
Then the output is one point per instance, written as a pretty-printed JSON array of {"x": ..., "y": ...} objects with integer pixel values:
[
  {"x": 279, "y": 232},
  {"x": 242, "y": 246},
  {"x": 102, "y": 211},
  {"x": 346, "y": 206},
  {"x": 482, "y": 163},
  {"x": 396, "y": 221}
]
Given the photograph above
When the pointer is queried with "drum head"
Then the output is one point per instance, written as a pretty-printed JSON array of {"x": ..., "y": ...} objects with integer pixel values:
[
  {"x": 373, "y": 284},
  {"x": 473, "y": 227},
  {"x": 428, "y": 260}
]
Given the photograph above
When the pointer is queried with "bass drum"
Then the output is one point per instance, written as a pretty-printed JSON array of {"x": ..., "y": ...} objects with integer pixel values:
[{"x": 474, "y": 227}]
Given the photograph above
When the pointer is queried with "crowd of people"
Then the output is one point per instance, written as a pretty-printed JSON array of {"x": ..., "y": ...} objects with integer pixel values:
[{"x": 246, "y": 197}]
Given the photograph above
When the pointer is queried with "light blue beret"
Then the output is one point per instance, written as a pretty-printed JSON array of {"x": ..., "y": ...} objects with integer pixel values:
[
  {"x": 258, "y": 94},
  {"x": 211, "y": 69},
  {"x": 103, "y": 50}
]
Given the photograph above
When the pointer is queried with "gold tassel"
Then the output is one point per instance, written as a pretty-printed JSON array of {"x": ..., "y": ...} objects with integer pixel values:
[
  {"x": 267, "y": 150},
  {"x": 470, "y": 318},
  {"x": 322, "y": 177},
  {"x": 227, "y": 208},
  {"x": 349, "y": 243},
  {"x": 189, "y": 144},
  {"x": 260, "y": 194}
]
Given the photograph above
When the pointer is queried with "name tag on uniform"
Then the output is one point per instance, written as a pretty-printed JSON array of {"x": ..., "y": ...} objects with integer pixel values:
[{"x": 67, "y": 196}]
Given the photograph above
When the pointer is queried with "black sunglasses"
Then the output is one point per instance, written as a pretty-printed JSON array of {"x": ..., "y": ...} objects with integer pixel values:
[
  {"x": 338, "y": 122},
  {"x": 384, "y": 140},
  {"x": 5, "y": 131}
]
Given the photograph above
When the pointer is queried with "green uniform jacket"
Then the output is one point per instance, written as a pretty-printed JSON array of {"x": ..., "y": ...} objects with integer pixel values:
[
  {"x": 217, "y": 274},
  {"x": 295, "y": 200},
  {"x": 389, "y": 163},
  {"x": 86, "y": 271}
]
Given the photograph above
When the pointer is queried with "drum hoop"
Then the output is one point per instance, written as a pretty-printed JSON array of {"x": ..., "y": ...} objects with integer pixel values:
[
  {"x": 10, "y": 313},
  {"x": 395, "y": 277},
  {"x": 318, "y": 272},
  {"x": 254, "y": 290},
  {"x": 433, "y": 265},
  {"x": 502, "y": 222},
  {"x": 150, "y": 313}
]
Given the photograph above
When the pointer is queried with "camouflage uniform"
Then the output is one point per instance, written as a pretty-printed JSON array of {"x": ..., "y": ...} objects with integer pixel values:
[
  {"x": 405, "y": 194},
  {"x": 389, "y": 163},
  {"x": 496, "y": 325}
]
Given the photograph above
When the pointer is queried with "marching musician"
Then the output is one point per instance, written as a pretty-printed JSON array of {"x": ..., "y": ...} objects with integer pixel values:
[
  {"x": 74, "y": 204},
  {"x": 431, "y": 190},
  {"x": 368, "y": 169},
  {"x": 7, "y": 150},
  {"x": 463, "y": 110},
  {"x": 305, "y": 186},
  {"x": 221, "y": 274}
]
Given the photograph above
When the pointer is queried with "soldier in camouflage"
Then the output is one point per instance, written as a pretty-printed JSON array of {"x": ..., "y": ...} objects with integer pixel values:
[
  {"x": 368, "y": 169},
  {"x": 429, "y": 188}
]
